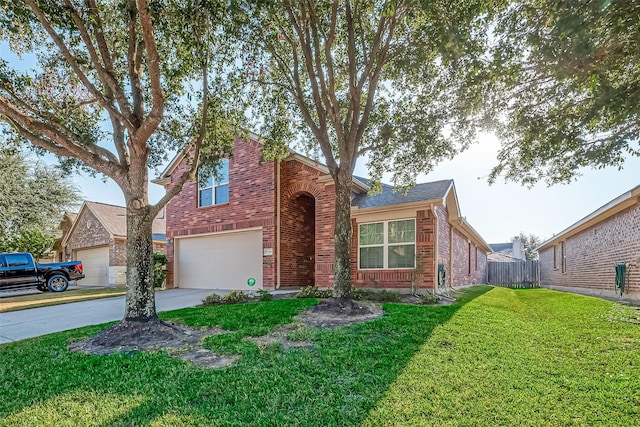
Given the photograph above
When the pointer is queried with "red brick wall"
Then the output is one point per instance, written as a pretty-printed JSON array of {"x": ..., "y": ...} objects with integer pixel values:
[
  {"x": 297, "y": 244},
  {"x": 592, "y": 254},
  {"x": 251, "y": 204},
  {"x": 297, "y": 178},
  {"x": 401, "y": 278},
  {"x": 444, "y": 240},
  {"x": 480, "y": 273},
  {"x": 460, "y": 270}
]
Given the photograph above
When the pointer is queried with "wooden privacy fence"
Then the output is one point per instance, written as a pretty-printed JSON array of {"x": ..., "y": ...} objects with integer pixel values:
[{"x": 522, "y": 274}]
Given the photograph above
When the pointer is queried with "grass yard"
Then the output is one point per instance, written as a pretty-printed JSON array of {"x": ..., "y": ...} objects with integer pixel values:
[
  {"x": 496, "y": 357},
  {"x": 46, "y": 299}
]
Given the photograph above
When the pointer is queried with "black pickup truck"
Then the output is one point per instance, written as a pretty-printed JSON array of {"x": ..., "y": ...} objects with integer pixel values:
[{"x": 19, "y": 270}]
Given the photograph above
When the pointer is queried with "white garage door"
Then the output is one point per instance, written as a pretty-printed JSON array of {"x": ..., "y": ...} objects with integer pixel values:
[
  {"x": 220, "y": 261},
  {"x": 95, "y": 264}
]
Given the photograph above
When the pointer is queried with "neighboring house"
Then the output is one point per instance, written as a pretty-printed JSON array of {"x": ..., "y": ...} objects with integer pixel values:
[
  {"x": 507, "y": 252},
  {"x": 267, "y": 225},
  {"x": 582, "y": 258},
  {"x": 65, "y": 225},
  {"x": 98, "y": 238}
]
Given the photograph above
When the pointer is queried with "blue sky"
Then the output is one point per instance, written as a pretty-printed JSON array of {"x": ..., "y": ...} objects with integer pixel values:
[{"x": 497, "y": 212}]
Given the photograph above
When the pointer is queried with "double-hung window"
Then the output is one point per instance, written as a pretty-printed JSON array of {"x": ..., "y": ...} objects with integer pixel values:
[
  {"x": 388, "y": 244},
  {"x": 213, "y": 188}
]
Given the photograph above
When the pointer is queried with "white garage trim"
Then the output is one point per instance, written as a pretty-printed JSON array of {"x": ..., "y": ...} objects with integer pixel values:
[
  {"x": 225, "y": 260},
  {"x": 95, "y": 265}
]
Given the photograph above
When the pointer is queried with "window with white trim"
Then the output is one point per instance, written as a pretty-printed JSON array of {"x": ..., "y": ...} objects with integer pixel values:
[
  {"x": 387, "y": 245},
  {"x": 213, "y": 188}
]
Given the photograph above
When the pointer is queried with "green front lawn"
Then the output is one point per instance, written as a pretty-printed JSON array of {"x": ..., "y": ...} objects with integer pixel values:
[{"x": 496, "y": 357}]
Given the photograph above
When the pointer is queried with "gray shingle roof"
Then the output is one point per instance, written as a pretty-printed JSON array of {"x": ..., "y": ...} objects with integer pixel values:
[{"x": 420, "y": 192}]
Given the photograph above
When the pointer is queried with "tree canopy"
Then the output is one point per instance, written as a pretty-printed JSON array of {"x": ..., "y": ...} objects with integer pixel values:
[
  {"x": 33, "y": 199},
  {"x": 117, "y": 86},
  {"x": 564, "y": 87},
  {"x": 355, "y": 78}
]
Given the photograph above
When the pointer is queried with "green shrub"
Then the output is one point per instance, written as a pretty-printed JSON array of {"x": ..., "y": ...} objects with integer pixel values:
[
  {"x": 357, "y": 293},
  {"x": 314, "y": 292},
  {"x": 212, "y": 299},
  {"x": 35, "y": 241},
  {"x": 234, "y": 297},
  {"x": 159, "y": 272},
  {"x": 429, "y": 299},
  {"x": 264, "y": 295}
]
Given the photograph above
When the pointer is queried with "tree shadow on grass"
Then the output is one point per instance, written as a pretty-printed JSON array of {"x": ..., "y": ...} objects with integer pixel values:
[{"x": 337, "y": 382}]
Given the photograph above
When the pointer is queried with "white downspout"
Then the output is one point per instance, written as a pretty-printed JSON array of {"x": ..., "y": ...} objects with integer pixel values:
[{"x": 278, "y": 224}]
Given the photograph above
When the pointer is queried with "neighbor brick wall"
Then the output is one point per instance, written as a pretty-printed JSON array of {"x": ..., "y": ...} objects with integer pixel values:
[
  {"x": 118, "y": 251},
  {"x": 592, "y": 254},
  {"x": 251, "y": 204},
  {"x": 297, "y": 178},
  {"x": 401, "y": 278},
  {"x": 87, "y": 233}
]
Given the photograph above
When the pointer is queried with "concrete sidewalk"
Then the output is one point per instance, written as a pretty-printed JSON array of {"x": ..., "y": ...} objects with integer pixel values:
[{"x": 19, "y": 325}]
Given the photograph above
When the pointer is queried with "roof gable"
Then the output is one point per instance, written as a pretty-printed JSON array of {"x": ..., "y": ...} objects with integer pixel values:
[
  {"x": 113, "y": 219},
  {"x": 359, "y": 184}
]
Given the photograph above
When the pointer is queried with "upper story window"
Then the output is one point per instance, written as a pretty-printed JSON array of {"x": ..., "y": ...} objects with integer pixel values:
[
  {"x": 388, "y": 244},
  {"x": 213, "y": 188}
]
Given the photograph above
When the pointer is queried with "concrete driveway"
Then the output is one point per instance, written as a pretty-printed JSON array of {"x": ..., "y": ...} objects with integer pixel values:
[{"x": 19, "y": 325}]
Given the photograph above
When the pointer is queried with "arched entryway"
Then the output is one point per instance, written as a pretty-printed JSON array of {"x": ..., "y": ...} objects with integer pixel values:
[{"x": 298, "y": 236}]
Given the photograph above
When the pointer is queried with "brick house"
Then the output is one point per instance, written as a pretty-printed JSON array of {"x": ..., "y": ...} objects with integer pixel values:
[
  {"x": 269, "y": 225},
  {"x": 98, "y": 238},
  {"x": 582, "y": 257}
]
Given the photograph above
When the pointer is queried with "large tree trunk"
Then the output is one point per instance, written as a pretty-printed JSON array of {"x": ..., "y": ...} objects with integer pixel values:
[
  {"x": 140, "y": 302},
  {"x": 140, "y": 328},
  {"x": 342, "y": 237}
]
